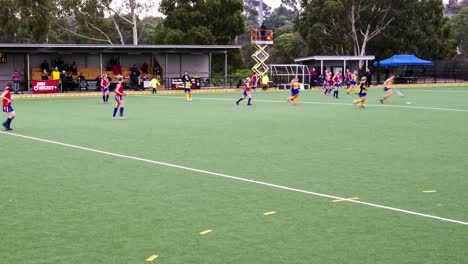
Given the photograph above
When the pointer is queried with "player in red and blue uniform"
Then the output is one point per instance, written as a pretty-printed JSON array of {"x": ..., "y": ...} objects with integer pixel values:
[
  {"x": 347, "y": 78},
  {"x": 119, "y": 94},
  {"x": 6, "y": 106},
  {"x": 329, "y": 84},
  {"x": 336, "y": 84},
  {"x": 246, "y": 92},
  {"x": 105, "y": 88}
]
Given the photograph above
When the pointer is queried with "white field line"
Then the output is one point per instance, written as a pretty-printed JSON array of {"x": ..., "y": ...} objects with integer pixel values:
[
  {"x": 434, "y": 91},
  {"x": 324, "y": 103},
  {"x": 239, "y": 179}
]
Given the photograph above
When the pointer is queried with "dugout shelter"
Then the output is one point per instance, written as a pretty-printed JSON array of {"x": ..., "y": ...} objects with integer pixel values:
[
  {"x": 336, "y": 63},
  {"x": 281, "y": 74},
  {"x": 92, "y": 60}
]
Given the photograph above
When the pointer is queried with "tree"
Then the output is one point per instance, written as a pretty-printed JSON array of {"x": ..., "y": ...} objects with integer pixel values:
[
  {"x": 103, "y": 20},
  {"x": 369, "y": 18},
  {"x": 23, "y": 21},
  {"x": 324, "y": 26},
  {"x": 251, "y": 9},
  {"x": 288, "y": 46},
  {"x": 380, "y": 27},
  {"x": 420, "y": 29},
  {"x": 279, "y": 17},
  {"x": 202, "y": 22},
  {"x": 460, "y": 30}
]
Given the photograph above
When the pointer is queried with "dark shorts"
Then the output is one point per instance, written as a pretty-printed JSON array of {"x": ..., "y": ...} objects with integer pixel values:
[{"x": 8, "y": 109}]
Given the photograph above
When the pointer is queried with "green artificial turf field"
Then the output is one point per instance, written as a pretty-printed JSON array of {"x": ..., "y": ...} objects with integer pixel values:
[{"x": 120, "y": 191}]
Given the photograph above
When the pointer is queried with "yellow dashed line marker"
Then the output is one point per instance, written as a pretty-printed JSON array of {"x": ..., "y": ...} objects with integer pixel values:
[
  {"x": 344, "y": 200},
  {"x": 269, "y": 213},
  {"x": 205, "y": 232},
  {"x": 152, "y": 258},
  {"x": 430, "y": 191}
]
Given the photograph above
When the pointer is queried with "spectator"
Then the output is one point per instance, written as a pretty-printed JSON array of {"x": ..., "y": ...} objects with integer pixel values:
[
  {"x": 144, "y": 68},
  {"x": 69, "y": 81},
  {"x": 55, "y": 74},
  {"x": 16, "y": 79},
  {"x": 60, "y": 64},
  {"x": 239, "y": 83},
  {"x": 313, "y": 77},
  {"x": 113, "y": 61},
  {"x": 116, "y": 69},
  {"x": 45, "y": 66},
  {"x": 368, "y": 77},
  {"x": 157, "y": 72},
  {"x": 135, "y": 68},
  {"x": 98, "y": 82},
  {"x": 44, "y": 75},
  {"x": 67, "y": 67},
  {"x": 262, "y": 32},
  {"x": 254, "y": 81},
  {"x": 82, "y": 82},
  {"x": 74, "y": 68},
  {"x": 265, "y": 81},
  {"x": 63, "y": 80},
  {"x": 134, "y": 80}
]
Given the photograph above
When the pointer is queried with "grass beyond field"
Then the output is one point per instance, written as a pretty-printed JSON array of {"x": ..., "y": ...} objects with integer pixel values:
[{"x": 79, "y": 187}]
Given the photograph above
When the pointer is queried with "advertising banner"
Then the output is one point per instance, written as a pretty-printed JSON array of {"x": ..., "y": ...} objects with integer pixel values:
[{"x": 45, "y": 86}]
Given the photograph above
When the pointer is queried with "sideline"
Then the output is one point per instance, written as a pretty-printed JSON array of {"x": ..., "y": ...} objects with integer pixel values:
[{"x": 351, "y": 200}]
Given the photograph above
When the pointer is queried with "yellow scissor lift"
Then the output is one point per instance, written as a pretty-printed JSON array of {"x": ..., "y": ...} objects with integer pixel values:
[{"x": 261, "y": 38}]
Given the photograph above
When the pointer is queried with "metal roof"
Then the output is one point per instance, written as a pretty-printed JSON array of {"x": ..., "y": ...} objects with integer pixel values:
[
  {"x": 329, "y": 58},
  {"x": 52, "y": 48}
]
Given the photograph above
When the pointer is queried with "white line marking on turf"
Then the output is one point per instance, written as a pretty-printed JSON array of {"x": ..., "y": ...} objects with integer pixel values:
[
  {"x": 325, "y": 103},
  {"x": 239, "y": 178},
  {"x": 434, "y": 91}
]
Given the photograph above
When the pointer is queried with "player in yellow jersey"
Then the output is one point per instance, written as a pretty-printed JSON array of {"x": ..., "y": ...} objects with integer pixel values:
[
  {"x": 294, "y": 98},
  {"x": 353, "y": 82},
  {"x": 362, "y": 93},
  {"x": 387, "y": 88}
]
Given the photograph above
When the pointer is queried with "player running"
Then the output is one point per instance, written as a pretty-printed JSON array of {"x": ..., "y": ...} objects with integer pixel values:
[
  {"x": 294, "y": 98},
  {"x": 105, "y": 88},
  {"x": 362, "y": 93},
  {"x": 246, "y": 92},
  {"x": 353, "y": 82},
  {"x": 347, "y": 78},
  {"x": 119, "y": 103},
  {"x": 6, "y": 106},
  {"x": 387, "y": 88}
]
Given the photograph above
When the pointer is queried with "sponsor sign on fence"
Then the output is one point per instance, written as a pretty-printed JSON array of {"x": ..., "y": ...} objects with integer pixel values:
[{"x": 45, "y": 86}]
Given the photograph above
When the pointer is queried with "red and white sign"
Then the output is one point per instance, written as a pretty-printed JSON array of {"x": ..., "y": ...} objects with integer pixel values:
[{"x": 45, "y": 86}]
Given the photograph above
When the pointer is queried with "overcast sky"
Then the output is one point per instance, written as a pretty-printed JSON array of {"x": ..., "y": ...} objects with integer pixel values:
[{"x": 273, "y": 3}]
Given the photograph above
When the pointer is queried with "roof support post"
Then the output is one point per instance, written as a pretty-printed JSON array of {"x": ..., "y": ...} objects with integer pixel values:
[
  {"x": 225, "y": 68},
  {"x": 211, "y": 81},
  {"x": 321, "y": 68},
  {"x": 28, "y": 73},
  {"x": 100, "y": 63},
  {"x": 165, "y": 73}
]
